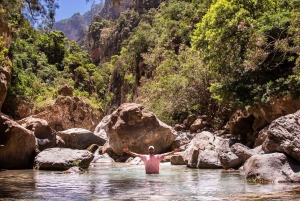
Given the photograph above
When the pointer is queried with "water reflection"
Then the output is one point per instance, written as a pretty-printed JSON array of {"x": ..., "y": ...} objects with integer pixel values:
[{"x": 126, "y": 182}]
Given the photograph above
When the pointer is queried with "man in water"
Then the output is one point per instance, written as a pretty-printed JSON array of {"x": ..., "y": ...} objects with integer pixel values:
[{"x": 151, "y": 161}]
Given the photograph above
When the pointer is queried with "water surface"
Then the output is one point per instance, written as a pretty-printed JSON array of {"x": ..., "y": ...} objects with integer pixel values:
[{"x": 119, "y": 181}]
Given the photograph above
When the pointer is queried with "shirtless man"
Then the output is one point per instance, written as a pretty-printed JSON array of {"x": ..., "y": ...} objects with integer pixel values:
[{"x": 151, "y": 161}]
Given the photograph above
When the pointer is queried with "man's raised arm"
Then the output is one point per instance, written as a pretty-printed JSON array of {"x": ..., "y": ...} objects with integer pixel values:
[
  {"x": 172, "y": 152},
  {"x": 126, "y": 150}
]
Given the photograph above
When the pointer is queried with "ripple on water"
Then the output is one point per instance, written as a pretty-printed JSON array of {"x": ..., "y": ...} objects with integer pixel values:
[{"x": 126, "y": 182}]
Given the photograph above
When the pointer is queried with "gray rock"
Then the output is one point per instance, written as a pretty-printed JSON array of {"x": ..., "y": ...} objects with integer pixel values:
[
  {"x": 283, "y": 136},
  {"x": 236, "y": 157},
  {"x": 45, "y": 135},
  {"x": 177, "y": 160},
  {"x": 78, "y": 138},
  {"x": 203, "y": 151},
  {"x": 62, "y": 159},
  {"x": 275, "y": 167}
]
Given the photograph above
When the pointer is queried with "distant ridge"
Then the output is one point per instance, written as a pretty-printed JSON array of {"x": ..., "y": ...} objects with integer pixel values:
[{"x": 76, "y": 25}]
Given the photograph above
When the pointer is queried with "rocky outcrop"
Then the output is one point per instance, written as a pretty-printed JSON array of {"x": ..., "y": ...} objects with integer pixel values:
[
  {"x": 204, "y": 150},
  {"x": 283, "y": 136},
  {"x": 45, "y": 135},
  {"x": 69, "y": 112},
  {"x": 62, "y": 159},
  {"x": 275, "y": 167},
  {"x": 17, "y": 145},
  {"x": 135, "y": 127},
  {"x": 112, "y": 11},
  {"x": 78, "y": 138}
]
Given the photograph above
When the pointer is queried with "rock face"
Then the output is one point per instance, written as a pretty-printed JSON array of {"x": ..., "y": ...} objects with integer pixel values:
[
  {"x": 276, "y": 108},
  {"x": 73, "y": 26},
  {"x": 135, "y": 127},
  {"x": 283, "y": 136},
  {"x": 45, "y": 135},
  {"x": 111, "y": 11},
  {"x": 275, "y": 167},
  {"x": 5, "y": 76},
  {"x": 17, "y": 145},
  {"x": 78, "y": 138},
  {"x": 69, "y": 112},
  {"x": 203, "y": 151},
  {"x": 62, "y": 159}
]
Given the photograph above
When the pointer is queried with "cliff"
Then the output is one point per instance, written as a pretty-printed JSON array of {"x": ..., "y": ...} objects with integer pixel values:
[{"x": 75, "y": 26}]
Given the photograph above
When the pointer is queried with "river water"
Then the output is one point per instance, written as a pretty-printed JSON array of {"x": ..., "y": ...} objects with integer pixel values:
[{"x": 120, "y": 181}]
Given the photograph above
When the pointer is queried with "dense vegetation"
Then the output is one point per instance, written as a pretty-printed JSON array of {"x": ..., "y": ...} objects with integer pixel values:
[{"x": 185, "y": 57}]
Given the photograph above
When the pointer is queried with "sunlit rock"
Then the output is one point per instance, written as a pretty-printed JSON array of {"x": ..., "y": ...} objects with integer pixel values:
[
  {"x": 69, "y": 112},
  {"x": 135, "y": 127}
]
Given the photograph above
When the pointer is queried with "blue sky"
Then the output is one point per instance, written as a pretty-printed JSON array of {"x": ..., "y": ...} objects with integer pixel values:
[{"x": 67, "y": 8}]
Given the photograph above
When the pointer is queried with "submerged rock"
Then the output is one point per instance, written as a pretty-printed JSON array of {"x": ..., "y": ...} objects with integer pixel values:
[{"x": 75, "y": 170}]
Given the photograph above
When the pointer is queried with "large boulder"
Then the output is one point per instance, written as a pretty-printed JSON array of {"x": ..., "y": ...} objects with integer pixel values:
[
  {"x": 17, "y": 145},
  {"x": 45, "y": 135},
  {"x": 78, "y": 138},
  {"x": 283, "y": 136},
  {"x": 69, "y": 112},
  {"x": 62, "y": 159},
  {"x": 204, "y": 150},
  {"x": 275, "y": 167},
  {"x": 135, "y": 127}
]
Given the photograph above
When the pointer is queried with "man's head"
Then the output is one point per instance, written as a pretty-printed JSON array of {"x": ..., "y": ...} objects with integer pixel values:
[{"x": 151, "y": 150}]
